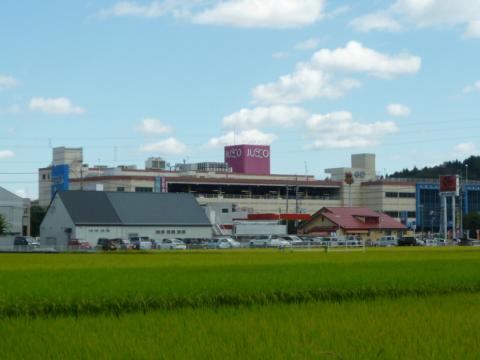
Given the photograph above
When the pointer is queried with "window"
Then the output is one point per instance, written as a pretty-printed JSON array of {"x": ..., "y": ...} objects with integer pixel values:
[
  {"x": 407, "y": 195},
  {"x": 393, "y": 214},
  {"x": 44, "y": 177},
  {"x": 120, "y": 189},
  {"x": 143, "y": 189},
  {"x": 391, "y": 194},
  {"x": 225, "y": 211},
  {"x": 179, "y": 231}
]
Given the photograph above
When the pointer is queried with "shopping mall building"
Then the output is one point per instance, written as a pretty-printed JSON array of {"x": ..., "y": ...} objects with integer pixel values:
[{"x": 244, "y": 181}]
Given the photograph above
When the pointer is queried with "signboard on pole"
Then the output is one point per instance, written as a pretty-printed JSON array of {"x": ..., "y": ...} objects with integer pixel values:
[{"x": 449, "y": 185}]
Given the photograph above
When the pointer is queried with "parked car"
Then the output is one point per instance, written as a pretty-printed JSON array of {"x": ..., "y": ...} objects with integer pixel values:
[
  {"x": 25, "y": 243},
  {"x": 79, "y": 245},
  {"x": 170, "y": 244},
  {"x": 351, "y": 240},
  {"x": 409, "y": 241},
  {"x": 125, "y": 244},
  {"x": 195, "y": 243},
  {"x": 431, "y": 242},
  {"x": 107, "y": 244},
  {"x": 386, "y": 241},
  {"x": 224, "y": 242},
  {"x": 269, "y": 241},
  {"x": 329, "y": 241},
  {"x": 294, "y": 240},
  {"x": 141, "y": 242}
]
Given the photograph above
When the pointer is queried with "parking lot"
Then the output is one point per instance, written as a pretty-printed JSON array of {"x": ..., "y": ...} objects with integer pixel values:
[{"x": 30, "y": 244}]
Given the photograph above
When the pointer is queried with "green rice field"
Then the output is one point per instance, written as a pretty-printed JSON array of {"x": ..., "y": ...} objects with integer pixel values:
[{"x": 410, "y": 303}]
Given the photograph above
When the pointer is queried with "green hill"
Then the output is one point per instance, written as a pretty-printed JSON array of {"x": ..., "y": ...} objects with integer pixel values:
[{"x": 447, "y": 168}]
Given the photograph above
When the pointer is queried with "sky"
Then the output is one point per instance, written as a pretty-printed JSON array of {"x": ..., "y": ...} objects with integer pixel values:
[{"x": 318, "y": 80}]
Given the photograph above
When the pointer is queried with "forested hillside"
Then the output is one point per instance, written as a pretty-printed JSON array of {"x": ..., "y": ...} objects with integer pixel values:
[{"x": 447, "y": 168}]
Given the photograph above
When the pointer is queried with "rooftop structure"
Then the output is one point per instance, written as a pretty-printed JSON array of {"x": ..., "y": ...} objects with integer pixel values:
[{"x": 352, "y": 221}]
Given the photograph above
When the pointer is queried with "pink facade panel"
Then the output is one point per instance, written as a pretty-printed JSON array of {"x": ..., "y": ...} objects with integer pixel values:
[{"x": 248, "y": 159}]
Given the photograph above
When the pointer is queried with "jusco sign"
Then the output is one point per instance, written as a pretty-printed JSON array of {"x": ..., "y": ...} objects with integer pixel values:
[
  {"x": 237, "y": 153},
  {"x": 248, "y": 159}
]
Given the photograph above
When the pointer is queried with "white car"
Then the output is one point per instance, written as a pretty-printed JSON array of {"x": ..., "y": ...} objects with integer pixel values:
[
  {"x": 170, "y": 244},
  {"x": 269, "y": 241},
  {"x": 431, "y": 242},
  {"x": 141, "y": 242},
  {"x": 386, "y": 241},
  {"x": 223, "y": 243},
  {"x": 294, "y": 240}
]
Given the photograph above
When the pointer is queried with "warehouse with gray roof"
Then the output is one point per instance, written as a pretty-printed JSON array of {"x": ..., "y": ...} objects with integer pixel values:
[{"x": 91, "y": 215}]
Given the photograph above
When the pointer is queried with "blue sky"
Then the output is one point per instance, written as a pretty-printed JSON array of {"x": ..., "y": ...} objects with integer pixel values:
[{"x": 317, "y": 79}]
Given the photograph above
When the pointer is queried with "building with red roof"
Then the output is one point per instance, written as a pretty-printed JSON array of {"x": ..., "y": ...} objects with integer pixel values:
[{"x": 361, "y": 221}]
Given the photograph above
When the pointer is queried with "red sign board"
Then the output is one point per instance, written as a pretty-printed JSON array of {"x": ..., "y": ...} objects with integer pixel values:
[
  {"x": 248, "y": 159},
  {"x": 449, "y": 184}
]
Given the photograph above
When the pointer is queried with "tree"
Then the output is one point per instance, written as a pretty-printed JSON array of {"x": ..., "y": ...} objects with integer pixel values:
[
  {"x": 471, "y": 222},
  {"x": 3, "y": 225}
]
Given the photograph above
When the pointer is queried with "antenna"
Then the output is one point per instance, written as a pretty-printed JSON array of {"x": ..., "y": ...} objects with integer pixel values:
[{"x": 306, "y": 168}]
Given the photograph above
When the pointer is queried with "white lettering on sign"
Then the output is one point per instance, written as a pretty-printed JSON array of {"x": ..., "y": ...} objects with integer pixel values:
[
  {"x": 235, "y": 153},
  {"x": 258, "y": 153}
]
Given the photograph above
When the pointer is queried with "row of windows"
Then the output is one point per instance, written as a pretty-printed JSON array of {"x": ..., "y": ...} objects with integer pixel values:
[
  {"x": 171, "y": 232},
  {"x": 98, "y": 230},
  {"x": 398, "y": 214},
  {"x": 143, "y": 189},
  {"x": 168, "y": 231},
  {"x": 404, "y": 195}
]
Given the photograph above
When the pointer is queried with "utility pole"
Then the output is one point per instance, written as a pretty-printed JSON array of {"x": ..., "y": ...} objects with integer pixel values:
[
  {"x": 296, "y": 194},
  {"x": 286, "y": 196}
]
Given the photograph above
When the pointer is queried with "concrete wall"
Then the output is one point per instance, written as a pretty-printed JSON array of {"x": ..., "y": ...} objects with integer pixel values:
[
  {"x": 93, "y": 233},
  {"x": 54, "y": 224},
  {"x": 16, "y": 211}
]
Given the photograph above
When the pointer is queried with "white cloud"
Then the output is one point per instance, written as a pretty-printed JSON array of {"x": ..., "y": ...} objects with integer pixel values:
[
  {"x": 283, "y": 116},
  {"x": 151, "y": 126},
  {"x": 131, "y": 8},
  {"x": 466, "y": 149},
  {"x": 473, "y": 29},
  {"x": 338, "y": 130},
  {"x": 354, "y": 57},
  {"x": 253, "y": 136},
  {"x": 59, "y": 105},
  {"x": 263, "y": 13},
  {"x": 304, "y": 84},
  {"x": 315, "y": 78},
  {"x": 170, "y": 146},
  {"x": 375, "y": 21},
  {"x": 6, "y": 154},
  {"x": 433, "y": 13},
  {"x": 7, "y": 82},
  {"x": 398, "y": 110},
  {"x": 307, "y": 44},
  {"x": 472, "y": 88}
]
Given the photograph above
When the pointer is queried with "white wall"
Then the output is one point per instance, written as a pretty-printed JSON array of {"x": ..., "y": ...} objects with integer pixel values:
[
  {"x": 56, "y": 221},
  {"x": 93, "y": 233},
  {"x": 12, "y": 207}
]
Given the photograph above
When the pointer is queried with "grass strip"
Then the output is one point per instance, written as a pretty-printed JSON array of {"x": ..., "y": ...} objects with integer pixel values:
[{"x": 145, "y": 304}]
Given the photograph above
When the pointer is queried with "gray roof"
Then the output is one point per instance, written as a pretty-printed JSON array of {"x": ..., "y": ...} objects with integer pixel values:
[{"x": 134, "y": 209}]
